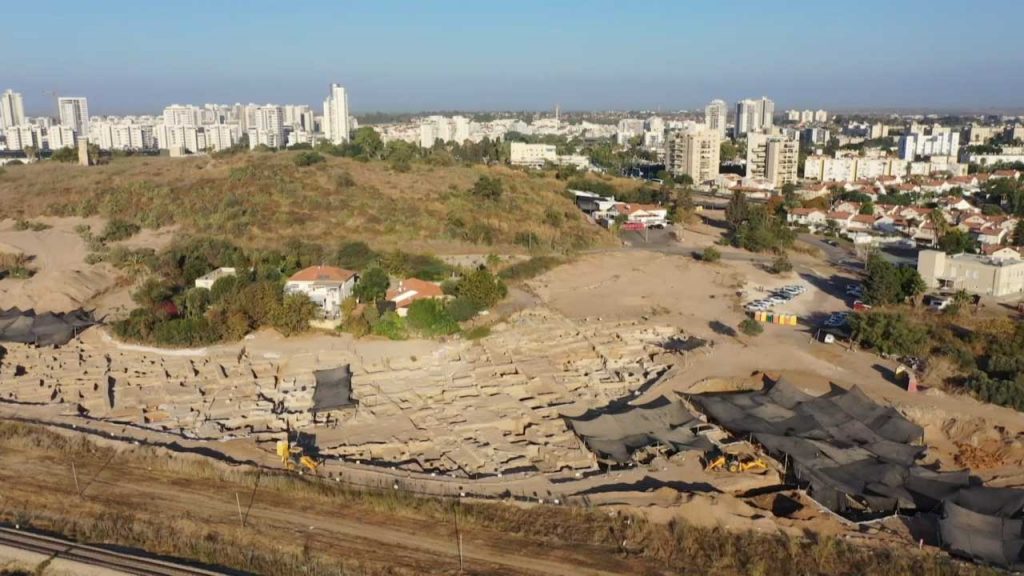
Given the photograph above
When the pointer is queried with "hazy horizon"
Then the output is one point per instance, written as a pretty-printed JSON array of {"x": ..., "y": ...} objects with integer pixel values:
[{"x": 406, "y": 57}]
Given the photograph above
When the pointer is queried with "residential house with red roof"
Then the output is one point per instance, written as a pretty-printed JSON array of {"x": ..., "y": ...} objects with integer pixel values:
[{"x": 410, "y": 290}]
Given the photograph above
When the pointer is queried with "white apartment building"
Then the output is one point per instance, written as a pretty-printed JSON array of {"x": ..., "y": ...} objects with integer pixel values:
[
  {"x": 23, "y": 136},
  {"x": 694, "y": 151},
  {"x": 773, "y": 158},
  {"x": 628, "y": 128},
  {"x": 336, "y": 121},
  {"x": 177, "y": 115},
  {"x": 941, "y": 143},
  {"x": 754, "y": 116},
  {"x": 533, "y": 155},
  {"x": 12, "y": 110},
  {"x": 299, "y": 117},
  {"x": 433, "y": 128},
  {"x": 74, "y": 112},
  {"x": 820, "y": 116},
  {"x": 267, "y": 127},
  {"x": 714, "y": 117},
  {"x": 61, "y": 136},
  {"x": 121, "y": 134}
]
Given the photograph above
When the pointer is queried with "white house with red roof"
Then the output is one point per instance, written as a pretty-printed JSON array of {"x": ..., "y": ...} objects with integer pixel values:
[
  {"x": 636, "y": 213},
  {"x": 326, "y": 286},
  {"x": 410, "y": 290},
  {"x": 812, "y": 217}
]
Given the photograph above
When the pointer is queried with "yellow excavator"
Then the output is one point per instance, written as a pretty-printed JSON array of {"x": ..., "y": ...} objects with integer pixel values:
[
  {"x": 715, "y": 460},
  {"x": 292, "y": 454}
]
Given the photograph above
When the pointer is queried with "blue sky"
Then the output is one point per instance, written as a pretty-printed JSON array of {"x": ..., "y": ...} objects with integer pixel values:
[{"x": 138, "y": 56}]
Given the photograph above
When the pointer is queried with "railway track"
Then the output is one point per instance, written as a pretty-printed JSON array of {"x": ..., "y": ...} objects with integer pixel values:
[{"x": 57, "y": 548}]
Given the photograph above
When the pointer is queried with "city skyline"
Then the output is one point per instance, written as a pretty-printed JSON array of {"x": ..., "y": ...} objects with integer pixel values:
[{"x": 406, "y": 57}]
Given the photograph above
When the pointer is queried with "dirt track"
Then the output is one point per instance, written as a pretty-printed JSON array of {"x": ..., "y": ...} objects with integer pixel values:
[{"x": 346, "y": 531}]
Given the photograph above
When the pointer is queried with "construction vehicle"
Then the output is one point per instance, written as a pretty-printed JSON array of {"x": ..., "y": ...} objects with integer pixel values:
[
  {"x": 294, "y": 453},
  {"x": 715, "y": 459}
]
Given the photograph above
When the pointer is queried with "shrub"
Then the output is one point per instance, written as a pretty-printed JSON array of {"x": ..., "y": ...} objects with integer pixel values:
[
  {"x": 461, "y": 309},
  {"x": 487, "y": 188},
  {"x": 781, "y": 264},
  {"x": 119, "y": 230},
  {"x": 22, "y": 225},
  {"x": 430, "y": 317},
  {"x": 185, "y": 332},
  {"x": 529, "y": 268},
  {"x": 478, "y": 332},
  {"x": 308, "y": 158},
  {"x": 888, "y": 332},
  {"x": 751, "y": 327},
  {"x": 390, "y": 325},
  {"x": 711, "y": 254},
  {"x": 294, "y": 314},
  {"x": 152, "y": 292}
]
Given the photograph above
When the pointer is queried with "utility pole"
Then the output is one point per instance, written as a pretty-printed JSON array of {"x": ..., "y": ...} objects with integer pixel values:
[{"x": 458, "y": 537}]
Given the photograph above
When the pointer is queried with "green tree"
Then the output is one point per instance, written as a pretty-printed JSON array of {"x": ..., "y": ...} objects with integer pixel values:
[
  {"x": 368, "y": 143},
  {"x": 1018, "y": 233},
  {"x": 372, "y": 285},
  {"x": 728, "y": 151},
  {"x": 481, "y": 288},
  {"x": 355, "y": 256},
  {"x": 738, "y": 209},
  {"x": 885, "y": 283},
  {"x": 294, "y": 314},
  {"x": 683, "y": 180},
  {"x": 781, "y": 264},
  {"x": 956, "y": 241},
  {"x": 867, "y": 208},
  {"x": 195, "y": 302},
  {"x": 888, "y": 332}
]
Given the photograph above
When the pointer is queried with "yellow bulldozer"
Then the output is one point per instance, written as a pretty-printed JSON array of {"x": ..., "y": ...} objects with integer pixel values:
[
  {"x": 715, "y": 459},
  {"x": 293, "y": 454}
]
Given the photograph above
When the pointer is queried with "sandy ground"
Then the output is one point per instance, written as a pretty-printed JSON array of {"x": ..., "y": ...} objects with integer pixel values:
[{"x": 344, "y": 530}]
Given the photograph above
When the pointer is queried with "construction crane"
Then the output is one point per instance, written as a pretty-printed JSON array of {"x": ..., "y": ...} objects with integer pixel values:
[{"x": 293, "y": 454}]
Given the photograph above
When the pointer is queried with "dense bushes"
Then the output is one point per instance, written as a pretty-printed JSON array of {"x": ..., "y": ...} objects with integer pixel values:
[
  {"x": 529, "y": 268},
  {"x": 751, "y": 327},
  {"x": 710, "y": 254},
  {"x": 887, "y": 283},
  {"x": 236, "y": 305},
  {"x": 888, "y": 332},
  {"x": 119, "y": 230},
  {"x": 307, "y": 158},
  {"x": 431, "y": 318}
]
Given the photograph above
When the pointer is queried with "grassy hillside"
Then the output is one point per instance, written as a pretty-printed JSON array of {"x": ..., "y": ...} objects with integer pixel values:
[{"x": 262, "y": 199}]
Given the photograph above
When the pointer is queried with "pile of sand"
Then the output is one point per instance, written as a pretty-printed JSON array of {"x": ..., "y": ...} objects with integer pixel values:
[{"x": 63, "y": 280}]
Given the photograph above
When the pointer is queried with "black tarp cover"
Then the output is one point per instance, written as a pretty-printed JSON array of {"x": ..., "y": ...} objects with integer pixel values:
[
  {"x": 333, "y": 389},
  {"x": 985, "y": 524},
  {"x": 615, "y": 433},
  {"x": 46, "y": 329},
  {"x": 856, "y": 456}
]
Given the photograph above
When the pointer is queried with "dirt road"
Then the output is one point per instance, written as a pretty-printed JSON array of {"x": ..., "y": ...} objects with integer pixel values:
[{"x": 43, "y": 485}]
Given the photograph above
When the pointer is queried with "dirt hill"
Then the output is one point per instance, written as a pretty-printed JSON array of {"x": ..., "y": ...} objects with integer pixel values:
[{"x": 265, "y": 198}]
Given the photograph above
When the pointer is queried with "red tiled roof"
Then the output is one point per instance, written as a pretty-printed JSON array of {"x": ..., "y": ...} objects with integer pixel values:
[
  {"x": 413, "y": 289},
  {"x": 322, "y": 274}
]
